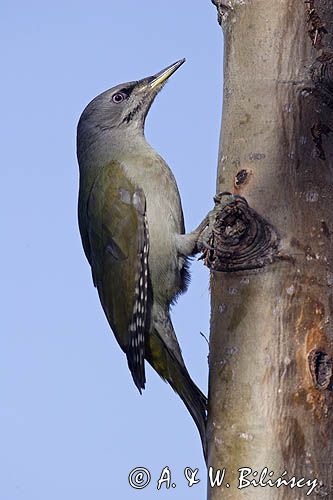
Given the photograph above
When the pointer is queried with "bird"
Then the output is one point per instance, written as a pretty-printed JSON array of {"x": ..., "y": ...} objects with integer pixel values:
[{"x": 133, "y": 234}]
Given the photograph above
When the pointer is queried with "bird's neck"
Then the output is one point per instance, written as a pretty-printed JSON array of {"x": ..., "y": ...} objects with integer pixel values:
[{"x": 106, "y": 146}]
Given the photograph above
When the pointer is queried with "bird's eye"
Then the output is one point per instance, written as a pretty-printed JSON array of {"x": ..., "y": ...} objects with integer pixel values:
[{"x": 118, "y": 97}]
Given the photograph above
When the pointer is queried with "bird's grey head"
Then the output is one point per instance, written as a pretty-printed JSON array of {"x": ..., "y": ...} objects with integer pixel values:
[{"x": 120, "y": 112}]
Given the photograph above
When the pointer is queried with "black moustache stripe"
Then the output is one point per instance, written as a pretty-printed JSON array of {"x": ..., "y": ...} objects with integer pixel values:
[{"x": 132, "y": 113}]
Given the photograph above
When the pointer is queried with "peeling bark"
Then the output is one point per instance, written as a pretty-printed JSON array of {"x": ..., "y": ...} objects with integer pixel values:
[{"x": 271, "y": 343}]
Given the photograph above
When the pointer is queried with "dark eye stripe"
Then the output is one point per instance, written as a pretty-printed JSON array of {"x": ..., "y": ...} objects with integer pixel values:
[{"x": 126, "y": 91}]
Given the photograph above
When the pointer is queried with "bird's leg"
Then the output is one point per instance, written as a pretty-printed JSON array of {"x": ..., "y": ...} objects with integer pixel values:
[
  {"x": 198, "y": 240},
  {"x": 188, "y": 244}
]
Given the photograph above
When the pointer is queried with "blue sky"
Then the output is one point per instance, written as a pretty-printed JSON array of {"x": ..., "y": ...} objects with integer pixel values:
[{"x": 72, "y": 423}]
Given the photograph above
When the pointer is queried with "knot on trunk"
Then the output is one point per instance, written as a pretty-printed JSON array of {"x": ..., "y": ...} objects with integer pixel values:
[{"x": 241, "y": 238}]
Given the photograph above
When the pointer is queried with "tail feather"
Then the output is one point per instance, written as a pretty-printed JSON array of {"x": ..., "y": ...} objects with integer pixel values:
[{"x": 175, "y": 373}]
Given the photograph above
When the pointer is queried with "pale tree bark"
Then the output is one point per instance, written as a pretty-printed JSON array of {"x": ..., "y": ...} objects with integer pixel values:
[{"x": 271, "y": 343}]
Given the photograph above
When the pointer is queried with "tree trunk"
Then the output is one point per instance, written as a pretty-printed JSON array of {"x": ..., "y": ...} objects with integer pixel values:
[{"x": 271, "y": 343}]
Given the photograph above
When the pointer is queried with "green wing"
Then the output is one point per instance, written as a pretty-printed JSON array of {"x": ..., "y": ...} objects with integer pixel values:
[{"x": 114, "y": 231}]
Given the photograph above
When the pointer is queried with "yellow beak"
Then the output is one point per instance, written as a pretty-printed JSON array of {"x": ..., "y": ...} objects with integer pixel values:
[{"x": 163, "y": 75}]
